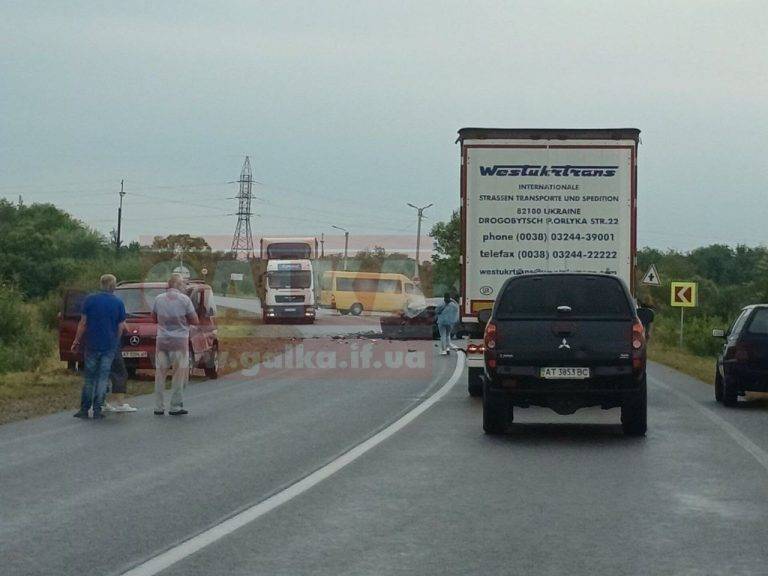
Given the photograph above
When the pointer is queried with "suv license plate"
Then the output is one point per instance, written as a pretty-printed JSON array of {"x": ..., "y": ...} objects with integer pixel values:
[
  {"x": 563, "y": 373},
  {"x": 290, "y": 309},
  {"x": 134, "y": 354}
]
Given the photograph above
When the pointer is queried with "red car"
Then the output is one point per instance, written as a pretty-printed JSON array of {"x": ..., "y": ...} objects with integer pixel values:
[{"x": 138, "y": 345}]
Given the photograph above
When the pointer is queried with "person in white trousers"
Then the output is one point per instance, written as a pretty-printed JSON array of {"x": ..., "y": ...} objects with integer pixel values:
[{"x": 174, "y": 312}]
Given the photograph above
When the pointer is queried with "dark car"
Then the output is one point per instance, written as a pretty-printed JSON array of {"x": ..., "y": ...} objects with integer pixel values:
[
  {"x": 565, "y": 341},
  {"x": 742, "y": 366},
  {"x": 415, "y": 323}
]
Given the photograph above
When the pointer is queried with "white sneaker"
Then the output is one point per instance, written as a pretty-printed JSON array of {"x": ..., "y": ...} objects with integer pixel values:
[
  {"x": 453, "y": 347},
  {"x": 444, "y": 353},
  {"x": 108, "y": 407},
  {"x": 124, "y": 408}
]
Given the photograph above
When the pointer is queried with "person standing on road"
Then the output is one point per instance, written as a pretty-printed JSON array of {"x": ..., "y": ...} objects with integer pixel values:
[
  {"x": 447, "y": 317},
  {"x": 102, "y": 322},
  {"x": 174, "y": 312}
]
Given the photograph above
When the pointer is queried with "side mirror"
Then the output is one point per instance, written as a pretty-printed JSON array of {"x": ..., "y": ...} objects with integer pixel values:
[
  {"x": 646, "y": 316},
  {"x": 718, "y": 333},
  {"x": 484, "y": 315}
]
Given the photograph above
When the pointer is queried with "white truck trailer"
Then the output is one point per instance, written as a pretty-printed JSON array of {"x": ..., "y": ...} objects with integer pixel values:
[{"x": 542, "y": 200}]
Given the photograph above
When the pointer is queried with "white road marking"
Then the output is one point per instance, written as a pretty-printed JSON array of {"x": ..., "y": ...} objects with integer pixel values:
[
  {"x": 196, "y": 543},
  {"x": 737, "y": 436}
]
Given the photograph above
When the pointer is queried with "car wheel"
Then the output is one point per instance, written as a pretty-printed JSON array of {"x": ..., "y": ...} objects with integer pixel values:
[
  {"x": 356, "y": 309},
  {"x": 475, "y": 382},
  {"x": 634, "y": 412},
  {"x": 212, "y": 364},
  {"x": 131, "y": 371},
  {"x": 497, "y": 412},
  {"x": 343, "y": 312},
  {"x": 718, "y": 386},
  {"x": 730, "y": 391}
]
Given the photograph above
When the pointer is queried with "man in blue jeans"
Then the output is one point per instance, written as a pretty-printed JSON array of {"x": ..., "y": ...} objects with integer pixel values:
[{"x": 102, "y": 323}]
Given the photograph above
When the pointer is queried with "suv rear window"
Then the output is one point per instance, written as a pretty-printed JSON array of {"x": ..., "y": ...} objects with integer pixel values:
[
  {"x": 587, "y": 296},
  {"x": 759, "y": 323}
]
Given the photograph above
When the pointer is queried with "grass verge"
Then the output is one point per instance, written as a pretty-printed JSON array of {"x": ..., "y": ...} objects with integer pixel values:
[
  {"x": 52, "y": 388},
  {"x": 701, "y": 367}
]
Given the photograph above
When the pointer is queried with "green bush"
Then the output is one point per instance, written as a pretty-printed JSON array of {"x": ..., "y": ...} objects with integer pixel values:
[
  {"x": 698, "y": 332},
  {"x": 24, "y": 340}
]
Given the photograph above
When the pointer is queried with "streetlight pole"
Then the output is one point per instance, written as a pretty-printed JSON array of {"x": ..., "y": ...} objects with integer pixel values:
[
  {"x": 346, "y": 242},
  {"x": 420, "y": 215}
]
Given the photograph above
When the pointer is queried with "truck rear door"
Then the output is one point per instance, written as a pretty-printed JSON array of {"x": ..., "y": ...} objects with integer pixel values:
[{"x": 564, "y": 320}]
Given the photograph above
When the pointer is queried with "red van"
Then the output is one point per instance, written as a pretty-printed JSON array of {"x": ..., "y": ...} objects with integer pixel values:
[{"x": 138, "y": 345}]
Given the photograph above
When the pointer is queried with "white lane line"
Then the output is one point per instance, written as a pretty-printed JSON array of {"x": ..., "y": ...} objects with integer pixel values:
[
  {"x": 197, "y": 543},
  {"x": 736, "y": 435}
]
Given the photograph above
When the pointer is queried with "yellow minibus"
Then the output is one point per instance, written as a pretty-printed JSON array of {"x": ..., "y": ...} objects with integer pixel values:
[{"x": 354, "y": 292}]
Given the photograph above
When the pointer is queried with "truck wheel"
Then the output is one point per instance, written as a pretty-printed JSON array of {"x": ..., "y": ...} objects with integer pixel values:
[
  {"x": 212, "y": 364},
  {"x": 730, "y": 391},
  {"x": 356, "y": 309},
  {"x": 496, "y": 410},
  {"x": 718, "y": 386},
  {"x": 475, "y": 382},
  {"x": 634, "y": 412}
]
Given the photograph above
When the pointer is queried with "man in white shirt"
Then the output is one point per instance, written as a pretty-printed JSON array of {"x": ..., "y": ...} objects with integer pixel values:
[{"x": 174, "y": 312}]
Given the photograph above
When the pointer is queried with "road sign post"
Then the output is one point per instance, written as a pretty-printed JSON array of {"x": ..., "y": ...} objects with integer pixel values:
[{"x": 684, "y": 295}]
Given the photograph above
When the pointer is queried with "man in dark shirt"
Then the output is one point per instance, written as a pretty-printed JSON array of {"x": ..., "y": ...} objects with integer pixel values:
[{"x": 102, "y": 323}]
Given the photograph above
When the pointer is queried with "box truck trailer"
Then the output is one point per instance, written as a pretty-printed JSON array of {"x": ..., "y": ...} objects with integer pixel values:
[{"x": 542, "y": 200}]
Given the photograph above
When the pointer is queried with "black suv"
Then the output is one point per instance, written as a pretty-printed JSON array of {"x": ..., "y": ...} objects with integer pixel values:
[
  {"x": 565, "y": 341},
  {"x": 742, "y": 366}
]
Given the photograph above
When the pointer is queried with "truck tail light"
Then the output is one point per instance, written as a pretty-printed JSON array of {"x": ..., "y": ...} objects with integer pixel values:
[{"x": 475, "y": 348}]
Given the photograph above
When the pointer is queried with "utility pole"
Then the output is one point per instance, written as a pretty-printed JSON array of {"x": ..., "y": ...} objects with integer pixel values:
[
  {"x": 420, "y": 215},
  {"x": 346, "y": 242},
  {"x": 322, "y": 245},
  {"x": 119, "y": 219}
]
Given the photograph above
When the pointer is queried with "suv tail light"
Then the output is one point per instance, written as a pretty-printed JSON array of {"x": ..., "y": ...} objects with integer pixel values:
[
  {"x": 489, "y": 345},
  {"x": 741, "y": 352},
  {"x": 638, "y": 335},
  {"x": 638, "y": 346},
  {"x": 490, "y": 336}
]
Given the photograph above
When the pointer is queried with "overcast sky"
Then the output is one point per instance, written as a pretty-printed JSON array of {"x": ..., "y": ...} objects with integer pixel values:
[{"x": 350, "y": 109}]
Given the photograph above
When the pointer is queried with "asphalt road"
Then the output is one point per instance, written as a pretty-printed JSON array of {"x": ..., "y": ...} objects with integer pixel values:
[
  {"x": 327, "y": 323},
  {"x": 558, "y": 495}
]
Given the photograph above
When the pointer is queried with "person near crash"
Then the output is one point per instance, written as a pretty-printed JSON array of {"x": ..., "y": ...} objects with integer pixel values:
[
  {"x": 447, "y": 316},
  {"x": 174, "y": 313},
  {"x": 102, "y": 322}
]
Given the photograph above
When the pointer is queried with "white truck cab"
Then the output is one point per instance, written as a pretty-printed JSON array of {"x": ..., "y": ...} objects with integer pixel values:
[{"x": 289, "y": 291}]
